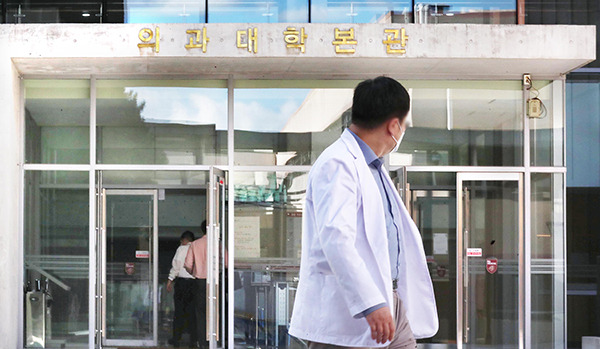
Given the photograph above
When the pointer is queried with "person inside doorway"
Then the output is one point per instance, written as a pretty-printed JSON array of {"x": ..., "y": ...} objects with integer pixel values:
[
  {"x": 195, "y": 264},
  {"x": 184, "y": 319}
]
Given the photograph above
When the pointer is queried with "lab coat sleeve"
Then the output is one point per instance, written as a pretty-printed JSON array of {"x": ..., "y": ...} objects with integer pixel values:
[{"x": 335, "y": 199}]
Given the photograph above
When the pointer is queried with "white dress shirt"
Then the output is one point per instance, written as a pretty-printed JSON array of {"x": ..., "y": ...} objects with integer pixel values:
[{"x": 177, "y": 270}]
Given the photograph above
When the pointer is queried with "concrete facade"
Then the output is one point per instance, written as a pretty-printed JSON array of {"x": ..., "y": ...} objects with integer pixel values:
[{"x": 453, "y": 51}]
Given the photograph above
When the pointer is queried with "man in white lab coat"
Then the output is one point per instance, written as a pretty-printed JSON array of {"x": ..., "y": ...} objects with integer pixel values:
[{"x": 364, "y": 280}]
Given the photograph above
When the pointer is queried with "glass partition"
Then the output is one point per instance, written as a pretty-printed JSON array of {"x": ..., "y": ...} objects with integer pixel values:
[
  {"x": 56, "y": 253},
  {"x": 161, "y": 122},
  {"x": 57, "y": 121},
  {"x": 361, "y": 11},
  {"x": 547, "y": 131},
  {"x": 289, "y": 123},
  {"x": 53, "y": 11},
  {"x": 431, "y": 201},
  {"x": 463, "y": 123},
  {"x": 155, "y": 11},
  {"x": 460, "y": 11},
  {"x": 547, "y": 261},
  {"x": 268, "y": 11},
  {"x": 268, "y": 233}
]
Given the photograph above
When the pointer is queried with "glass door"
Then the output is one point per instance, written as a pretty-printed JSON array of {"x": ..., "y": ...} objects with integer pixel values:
[
  {"x": 129, "y": 267},
  {"x": 490, "y": 260},
  {"x": 217, "y": 260}
]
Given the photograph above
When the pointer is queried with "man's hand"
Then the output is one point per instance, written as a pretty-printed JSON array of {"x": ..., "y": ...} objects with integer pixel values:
[
  {"x": 382, "y": 325},
  {"x": 169, "y": 286}
]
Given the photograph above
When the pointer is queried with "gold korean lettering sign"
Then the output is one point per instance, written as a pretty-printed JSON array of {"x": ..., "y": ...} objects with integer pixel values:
[
  {"x": 294, "y": 38},
  {"x": 344, "y": 41},
  {"x": 395, "y": 41},
  {"x": 248, "y": 39},
  {"x": 198, "y": 39},
  {"x": 146, "y": 35}
]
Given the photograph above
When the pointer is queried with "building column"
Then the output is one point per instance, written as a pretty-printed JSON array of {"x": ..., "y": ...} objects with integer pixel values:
[{"x": 11, "y": 285}]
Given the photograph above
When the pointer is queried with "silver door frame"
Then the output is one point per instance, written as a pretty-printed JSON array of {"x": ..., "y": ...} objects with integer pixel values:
[
  {"x": 490, "y": 176},
  {"x": 129, "y": 342},
  {"x": 216, "y": 331}
]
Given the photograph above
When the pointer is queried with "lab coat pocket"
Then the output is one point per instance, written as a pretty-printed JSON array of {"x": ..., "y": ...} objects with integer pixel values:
[{"x": 346, "y": 325}]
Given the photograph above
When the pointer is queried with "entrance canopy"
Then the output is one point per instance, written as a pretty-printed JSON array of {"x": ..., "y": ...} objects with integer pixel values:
[{"x": 437, "y": 51}]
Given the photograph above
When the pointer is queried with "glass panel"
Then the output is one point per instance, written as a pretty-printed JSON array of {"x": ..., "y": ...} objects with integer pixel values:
[
  {"x": 431, "y": 201},
  {"x": 57, "y": 121},
  {"x": 56, "y": 243},
  {"x": 289, "y": 123},
  {"x": 457, "y": 11},
  {"x": 182, "y": 206},
  {"x": 583, "y": 270},
  {"x": 246, "y": 11},
  {"x": 583, "y": 131},
  {"x": 361, "y": 11},
  {"x": 268, "y": 235},
  {"x": 162, "y": 122},
  {"x": 547, "y": 131},
  {"x": 463, "y": 123},
  {"x": 548, "y": 261},
  {"x": 491, "y": 277},
  {"x": 155, "y": 11},
  {"x": 129, "y": 267},
  {"x": 53, "y": 11}
]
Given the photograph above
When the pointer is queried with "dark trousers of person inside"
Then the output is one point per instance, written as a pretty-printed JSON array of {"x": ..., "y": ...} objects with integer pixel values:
[
  {"x": 185, "y": 310},
  {"x": 200, "y": 300}
]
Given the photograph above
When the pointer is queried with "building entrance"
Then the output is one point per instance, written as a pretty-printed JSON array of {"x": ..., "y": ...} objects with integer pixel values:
[
  {"x": 472, "y": 231},
  {"x": 136, "y": 228}
]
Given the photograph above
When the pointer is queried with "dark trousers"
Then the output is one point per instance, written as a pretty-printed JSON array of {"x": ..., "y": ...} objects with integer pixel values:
[
  {"x": 200, "y": 300},
  {"x": 185, "y": 309}
]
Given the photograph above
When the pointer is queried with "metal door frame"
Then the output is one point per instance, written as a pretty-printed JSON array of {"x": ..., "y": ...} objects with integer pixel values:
[
  {"x": 216, "y": 332},
  {"x": 488, "y": 176},
  {"x": 102, "y": 240}
]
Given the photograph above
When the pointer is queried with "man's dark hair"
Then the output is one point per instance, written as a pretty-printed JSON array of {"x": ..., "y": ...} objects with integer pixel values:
[
  {"x": 377, "y": 100},
  {"x": 203, "y": 227},
  {"x": 187, "y": 235}
]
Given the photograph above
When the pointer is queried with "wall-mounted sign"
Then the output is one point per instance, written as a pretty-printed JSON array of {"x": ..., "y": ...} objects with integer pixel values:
[
  {"x": 247, "y": 237},
  {"x": 142, "y": 254},
  {"x": 344, "y": 40},
  {"x": 474, "y": 252},
  {"x": 491, "y": 265}
]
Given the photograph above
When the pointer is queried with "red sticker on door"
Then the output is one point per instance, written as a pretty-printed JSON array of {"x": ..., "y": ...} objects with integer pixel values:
[
  {"x": 491, "y": 265},
  {"x": 129, "y": 268}
]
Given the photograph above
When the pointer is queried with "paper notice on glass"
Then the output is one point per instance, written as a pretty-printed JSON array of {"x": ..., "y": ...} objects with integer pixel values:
[
  {"x": 440, "y": 243},
  {"x": 247, "y": 237}
]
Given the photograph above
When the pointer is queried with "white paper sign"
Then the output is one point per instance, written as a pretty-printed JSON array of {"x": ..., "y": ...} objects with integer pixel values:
[
  {"x": 247, "y": 237},
  {"x": 142, "y": 254},
  {"x": 474, "y": 252},
  {"x": 440, "y": 243}
]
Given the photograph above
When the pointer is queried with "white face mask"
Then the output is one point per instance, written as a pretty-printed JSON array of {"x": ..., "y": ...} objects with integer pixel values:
[{"x": 398, "y": 141}]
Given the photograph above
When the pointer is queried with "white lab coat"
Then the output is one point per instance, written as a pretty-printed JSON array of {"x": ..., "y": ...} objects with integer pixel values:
[{"x": 345, "y": 265}]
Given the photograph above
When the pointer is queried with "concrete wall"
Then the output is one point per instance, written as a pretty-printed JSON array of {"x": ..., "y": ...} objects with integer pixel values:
[{"x": 10, "y": 246}]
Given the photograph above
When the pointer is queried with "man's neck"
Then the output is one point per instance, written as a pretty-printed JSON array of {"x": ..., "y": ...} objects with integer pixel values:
[{"x": 373, "y": 138}]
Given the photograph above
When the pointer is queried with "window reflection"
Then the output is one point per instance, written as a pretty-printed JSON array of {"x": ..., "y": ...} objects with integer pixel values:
[
  {"x": 158, "y": 11},
  {"x": 457, "y": 11},
  {"x": 149, "y": 123},
  {"x": 463, "y": 124},
  {"x": 359, "y": 11},
  {"x": 288, "y": 126},
  {"x": 256, "y": 11}
]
